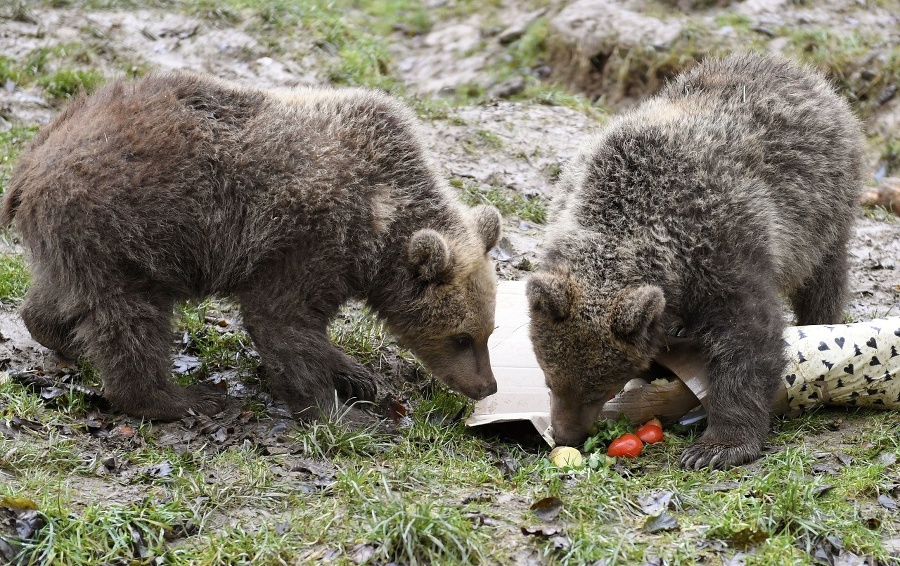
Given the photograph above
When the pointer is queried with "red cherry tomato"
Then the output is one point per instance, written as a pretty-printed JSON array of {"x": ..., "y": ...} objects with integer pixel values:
[
  {"x": 650, "y": 434},
  {"x": 626, "y": 446},
  {"x": 654, "y": 422}
]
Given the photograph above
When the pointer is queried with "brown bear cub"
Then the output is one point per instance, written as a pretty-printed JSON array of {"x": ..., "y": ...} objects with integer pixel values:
[
  {"x": 183, "y": 186},
  {"x": 687, "y": 216}
]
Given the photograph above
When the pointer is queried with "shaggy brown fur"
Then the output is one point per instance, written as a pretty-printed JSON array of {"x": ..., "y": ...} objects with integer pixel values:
[
  {"x": 687, "y": 216},
  {"x": 183, "y": 186}
]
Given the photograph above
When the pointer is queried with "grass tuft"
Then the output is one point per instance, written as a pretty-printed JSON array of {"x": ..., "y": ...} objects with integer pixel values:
[
  {"x": 13, "y": 279},
  {"x": 507, "y": 201},
  {"x": 421, "y": 532},
  {"x": 103, "y": 534},
  {"x": 214, "y": 11},
  {"x": 66, "y": 83},
  {"x": 365, "y": 62},
  {"x": 332, "y": 436},
  {"x": 216, "y": 347},
  {"x": 12, "y": 143},
  {"x": 359, "y": 333}
]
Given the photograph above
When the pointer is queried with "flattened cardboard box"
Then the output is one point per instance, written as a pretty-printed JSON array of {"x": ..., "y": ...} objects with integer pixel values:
[{"x": 845, "y": 364}]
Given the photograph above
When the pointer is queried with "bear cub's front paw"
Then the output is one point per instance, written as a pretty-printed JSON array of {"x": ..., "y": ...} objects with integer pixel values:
[{"x": 718, "y": 455}]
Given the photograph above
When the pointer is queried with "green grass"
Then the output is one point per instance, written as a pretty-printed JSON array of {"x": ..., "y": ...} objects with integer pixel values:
[
  {"x": 778, "y": 498},
  {"x": 616, "y": 71},
  {"x": 489, "y": 138},
  {"x": 216, "y": 346},
  {"x": 221, "y": 346},
  {"x": 557, "y": 96},
  {"x": 99, "y": 532},
  {"x": 385, "y": 16},
  {"x": 365, "y": 62},
  {"x": 10, "y": 70},
  {"x": 734, "y": 20},
  {"x": 18, "y": 401},
  {"x": 12, "y": 143},
  {"x": 421, "y": 532},
  {"x": 354, "y": 36},
  {"x": 434, "y": 493},
  {"x": 107, "y": 4},
  {"x": 59, "y": 69},
  {"x": 530, "y": 49},
  {"x": 842, "y": 55},
  {"x": 332, "y": 437},
  {"x": 508, "y": 202},
  {"x": 13, "y": 279},
  {"x": 359, "y": 333},
  {"x": 106, "y": 533},
  {"x": 339, "y": 20},
  {"x": 213, "y": 11},
  {"x": 430, "y": 109},
  {"x": 341, "y": 30},
  {"x": 521, "y": 58},
  {"x": 19, "y": 11},
  {"x": 66, "y": 83},
  {"x": 830, "y": 50}
]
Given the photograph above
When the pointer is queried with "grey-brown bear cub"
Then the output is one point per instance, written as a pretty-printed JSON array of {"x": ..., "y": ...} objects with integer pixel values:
[
  {"x": 688, "y": 216},
  {"x": 182, "y": 186}
]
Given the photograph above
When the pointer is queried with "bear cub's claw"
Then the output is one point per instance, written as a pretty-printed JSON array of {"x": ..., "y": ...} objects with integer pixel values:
[
  {"x": 718, "y": 456},
  {"x": 205, "y": 399},
  {"x": 355, "y": 382}
]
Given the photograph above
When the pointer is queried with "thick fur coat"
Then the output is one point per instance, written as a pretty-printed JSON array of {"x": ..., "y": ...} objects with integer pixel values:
[
  {"x": 183, "y": 186},
  {"x": 689, "y": 216}
]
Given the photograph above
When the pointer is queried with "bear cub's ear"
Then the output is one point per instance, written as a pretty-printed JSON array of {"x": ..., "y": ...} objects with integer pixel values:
[
  {"x": 636, "y": 310},
  {"x": 551, "y": 294},
  {"x": 429, "y": 255},
  {"x": 488, "y": 222}
]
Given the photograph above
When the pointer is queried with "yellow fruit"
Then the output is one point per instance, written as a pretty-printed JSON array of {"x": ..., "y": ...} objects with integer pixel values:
[{"x": 566, "y": 457}]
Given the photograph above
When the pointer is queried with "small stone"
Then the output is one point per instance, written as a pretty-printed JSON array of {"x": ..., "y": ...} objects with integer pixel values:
[
  {"x": 887, "y": 93},
  {"x": 507, "y": 88}
]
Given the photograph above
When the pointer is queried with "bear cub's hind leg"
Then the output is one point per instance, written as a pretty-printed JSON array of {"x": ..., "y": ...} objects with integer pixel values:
[
  {"x": 127, "y": 338},
  {"x": 821, "y": 298},
  {"x": 43, "y": 315}
]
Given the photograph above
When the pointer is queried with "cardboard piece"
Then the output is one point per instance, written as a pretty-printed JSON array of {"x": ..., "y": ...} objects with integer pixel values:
[
  {"x": 521, "y": 394},
  {"x": 844, "y": 364}
]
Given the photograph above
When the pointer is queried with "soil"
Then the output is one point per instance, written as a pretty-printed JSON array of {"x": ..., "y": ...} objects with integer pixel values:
[{"x": 535, "y": 140}]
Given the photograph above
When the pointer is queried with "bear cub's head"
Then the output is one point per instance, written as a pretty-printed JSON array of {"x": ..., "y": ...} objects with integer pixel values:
[
  {"x": 446, "y": 314},
  {"x": 589, "y": 343}
]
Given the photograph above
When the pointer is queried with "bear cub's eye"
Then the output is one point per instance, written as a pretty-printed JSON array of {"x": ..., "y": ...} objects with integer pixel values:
[{"x": 462, "y": 342}]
